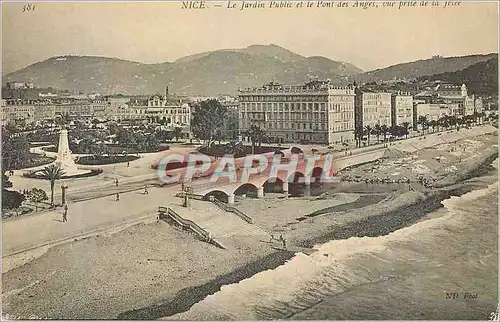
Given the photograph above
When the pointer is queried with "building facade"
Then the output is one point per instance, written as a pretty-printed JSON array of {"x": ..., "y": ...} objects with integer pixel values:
[
  {"x": 373, "y": 108},
  {"x": 401, "y": 108},
  {"x": 315, "y": 112}
]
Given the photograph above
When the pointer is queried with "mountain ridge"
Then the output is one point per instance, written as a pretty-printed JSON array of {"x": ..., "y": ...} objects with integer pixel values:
[{"x": 215, "y": 72}]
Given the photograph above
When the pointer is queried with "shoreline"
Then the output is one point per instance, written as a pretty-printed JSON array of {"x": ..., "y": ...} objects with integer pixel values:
[{"x": 380, "y": 223}]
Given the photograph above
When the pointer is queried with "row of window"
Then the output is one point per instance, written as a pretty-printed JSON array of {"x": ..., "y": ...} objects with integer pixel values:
[
  {"x": 290, "y": 126},
  {"x": 283, "y": 98},
  {"x": 282, "y": 116},
  {"x": 278, "y": 107}
]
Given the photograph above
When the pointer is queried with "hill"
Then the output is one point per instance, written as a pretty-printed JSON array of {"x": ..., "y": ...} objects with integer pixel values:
[
  {"x": 424, "y": 67},
  {"x": 210, "y": 73},
  {"x": 481, "y": 78}
]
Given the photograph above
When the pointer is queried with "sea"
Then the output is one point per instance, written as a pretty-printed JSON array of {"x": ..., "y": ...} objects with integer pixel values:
[{"x": 444, "y": 267}]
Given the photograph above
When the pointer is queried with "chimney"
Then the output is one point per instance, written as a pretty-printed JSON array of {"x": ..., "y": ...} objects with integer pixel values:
[{"x": 166, "y": 92}]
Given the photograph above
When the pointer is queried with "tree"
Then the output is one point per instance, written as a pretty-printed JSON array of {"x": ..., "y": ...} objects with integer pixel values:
[
  {"x": 233, "y": 148},
  {"x": 63, "y": 119},
  {"x": 368, "y": 131},
  {"x": 5, "y": 182},
  {"x": 407, "y": 127},
  {"x": 377, "y": 131},
  {"x": 256, "y": 134},
  {"x": 358, "y": 135},
  {"x": 384, "y": 130},
  {"x": 126, "y": 138},
  {"x": 433, "y": 124},
  {"x": 52, "y": 173},
  {"x": 423, "y": 121},
  {"x": 177, "y": 132},
  {"x": 15, "y": 150},
  {"x": 36, "y": 195},
  {"x": 208, "y": 121}
]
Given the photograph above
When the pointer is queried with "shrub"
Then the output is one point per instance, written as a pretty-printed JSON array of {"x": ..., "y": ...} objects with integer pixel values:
[{"x": 12, "y": 199}]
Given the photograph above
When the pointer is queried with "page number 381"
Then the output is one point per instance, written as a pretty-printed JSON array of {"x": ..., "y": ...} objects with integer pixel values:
[{"x": 28, "y": 7}]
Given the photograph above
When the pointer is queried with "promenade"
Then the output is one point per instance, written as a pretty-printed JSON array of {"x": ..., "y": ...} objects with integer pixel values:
[
  {"x": 91, "y": 216},
  {"x": 98, "y": 211}
]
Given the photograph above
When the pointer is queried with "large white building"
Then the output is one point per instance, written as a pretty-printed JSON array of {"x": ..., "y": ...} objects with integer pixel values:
[
  {"x": 315, "y": 112},
  {"x": 401, "y": 108},
  {"x": 373, "y": 108}
]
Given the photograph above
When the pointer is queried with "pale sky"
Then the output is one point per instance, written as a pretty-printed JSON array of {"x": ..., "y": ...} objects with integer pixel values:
[{"x": 161, "y": 31}]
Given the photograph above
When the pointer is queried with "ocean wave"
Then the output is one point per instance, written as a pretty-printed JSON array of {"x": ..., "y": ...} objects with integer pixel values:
[{"x": 301, "y": 287}]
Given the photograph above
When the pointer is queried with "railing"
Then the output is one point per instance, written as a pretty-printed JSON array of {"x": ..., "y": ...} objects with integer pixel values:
[
  {"x": 191, "y": 196},
  {"x": 188, "y": 225},
  {"x": 235, "y": 211}
]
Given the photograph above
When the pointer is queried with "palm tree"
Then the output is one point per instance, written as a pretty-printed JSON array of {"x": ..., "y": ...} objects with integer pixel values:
[
  {"x": 452, "y": 120},
  {"x": 52, "y": 173},
  {"x": 406, "y": 126},
  {"x": 233, "y": 148},
  {"x": 433, "y": 124},
  {"x": 368, "y": 131},
  {"x": 256, "y": 134},
  {"x": 384, "y": 130},
  {"x": 358, "y": 135},
  {"x": 443, "y": 121},
  {"x": 377, "y": 130},
  {"x": 422, "y": 120},
  {"x": 482, "y": 116}
]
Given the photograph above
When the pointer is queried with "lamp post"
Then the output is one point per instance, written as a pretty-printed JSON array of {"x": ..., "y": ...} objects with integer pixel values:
[
  {"x": 187, "y": 190},
  {"x": 64, "y": 186}
]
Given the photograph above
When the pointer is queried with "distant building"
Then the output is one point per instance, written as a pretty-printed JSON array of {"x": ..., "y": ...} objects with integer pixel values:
[
  {"x": 373, "y": 108},
  {"x": 20, "y": 85},
  {"x": 315, "y": 112},
  {"x": 401, "y": 108}
]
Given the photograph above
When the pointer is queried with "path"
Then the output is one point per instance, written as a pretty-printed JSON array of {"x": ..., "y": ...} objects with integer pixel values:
[{"x": 83, "y": 217}]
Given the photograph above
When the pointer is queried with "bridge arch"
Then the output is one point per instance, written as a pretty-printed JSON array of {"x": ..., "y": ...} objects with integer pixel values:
[
  {"x": 315, "y": 175},
  {"x": 248, "y": 189},
  {"x": 273, "y": 184},
  {"x": 280, "y": 153},
  {"x": 296, "y": 150},
  {"x": 295, "y": 186},
  {"x": 218, "y": 194}
]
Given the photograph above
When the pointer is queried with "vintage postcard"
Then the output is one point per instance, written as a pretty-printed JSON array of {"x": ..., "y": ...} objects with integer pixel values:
[{"x": 250, "y": 160}]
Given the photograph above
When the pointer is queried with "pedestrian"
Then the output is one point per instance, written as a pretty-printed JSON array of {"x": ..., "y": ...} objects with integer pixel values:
[
  {"x": 116, "y": 182},
  {"x": 65, "y": 213},
  {"x": 117, "y": 197},
  {"x": 284, "y": 243},
  {"x": 128, "y": 164},
  {"x": 146, "y": 192}
]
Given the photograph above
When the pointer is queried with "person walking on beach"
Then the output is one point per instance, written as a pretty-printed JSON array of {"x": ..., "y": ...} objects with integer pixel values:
[
  {"x": 146, "y": 192},
  {"x": 116, "y": 182},
  {"x": 284, "y": 243},
  {"x": 117, "y": 197},
  {"x": 65, "y": 213},
  {"x": 128, "y": 164}
]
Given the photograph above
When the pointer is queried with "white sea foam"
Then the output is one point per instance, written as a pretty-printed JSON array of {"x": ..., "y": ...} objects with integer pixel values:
[{"x": 305, "y": 281}]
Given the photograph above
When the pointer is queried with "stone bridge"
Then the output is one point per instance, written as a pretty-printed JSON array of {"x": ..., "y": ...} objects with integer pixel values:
[{"x": 299, "y": 178}]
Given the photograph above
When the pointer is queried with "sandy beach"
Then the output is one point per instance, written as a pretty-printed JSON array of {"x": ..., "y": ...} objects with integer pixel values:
[{"x": 152, "y": 271}]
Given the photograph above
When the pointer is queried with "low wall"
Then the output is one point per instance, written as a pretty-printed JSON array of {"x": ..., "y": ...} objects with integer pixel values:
[
  {"x": 433, "y": 139},
  {"x": 360, "y": 158}
]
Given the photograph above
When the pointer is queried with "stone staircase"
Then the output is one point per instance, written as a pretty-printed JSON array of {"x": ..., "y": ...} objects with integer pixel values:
[{"x": 217, "y": 222}]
